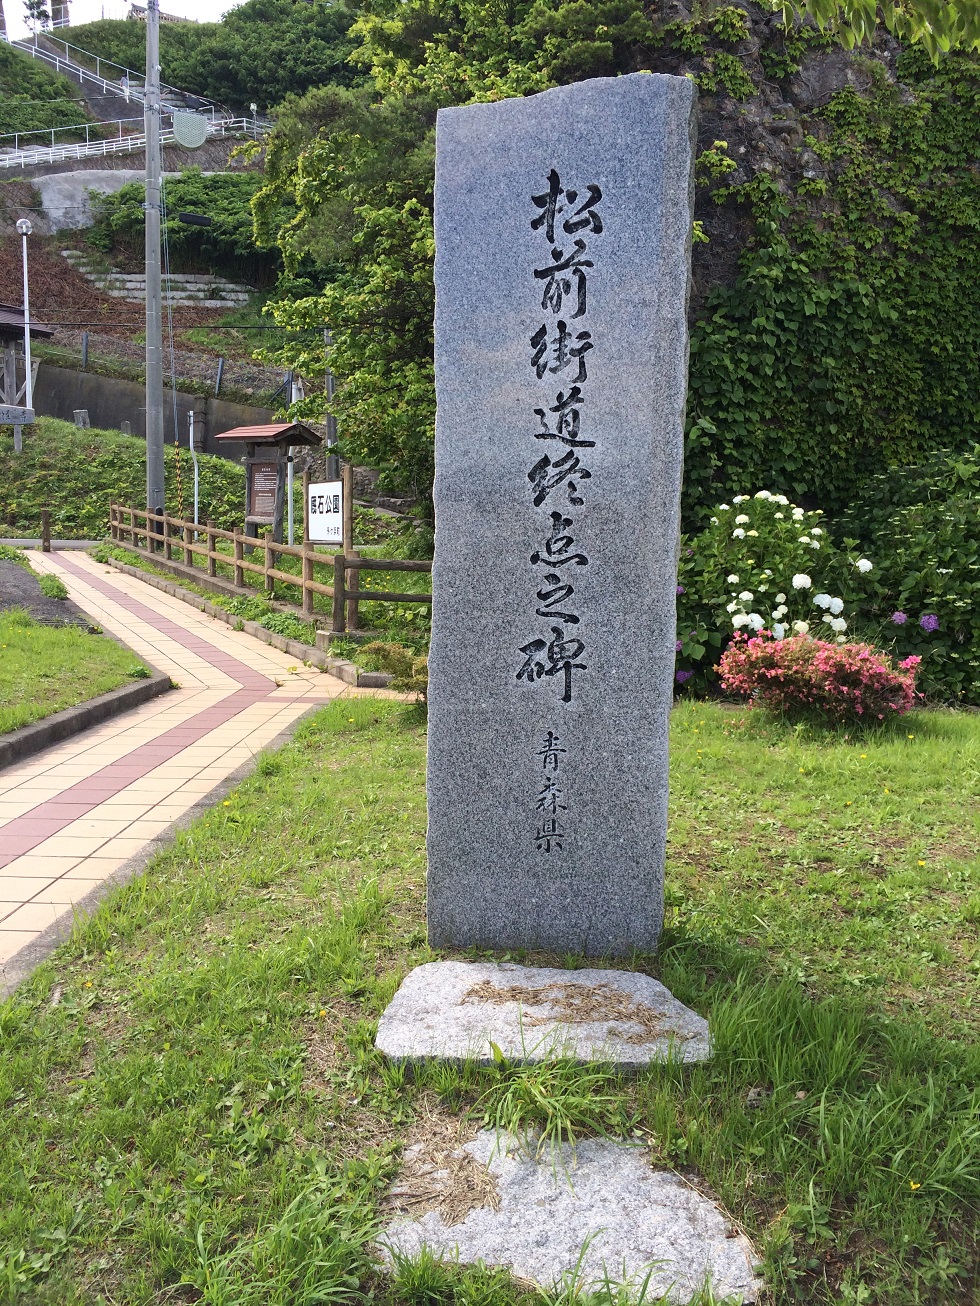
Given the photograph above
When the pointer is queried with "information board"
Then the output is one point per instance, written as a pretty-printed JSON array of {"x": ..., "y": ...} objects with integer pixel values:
[
  {"x": 326, "y": 512},
  {"x": 264, "y": 483},
  {"x": 10, "y": 415}
]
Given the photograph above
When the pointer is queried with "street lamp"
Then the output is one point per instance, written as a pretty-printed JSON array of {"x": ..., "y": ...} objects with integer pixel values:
[{"x": 24, "y": 229}]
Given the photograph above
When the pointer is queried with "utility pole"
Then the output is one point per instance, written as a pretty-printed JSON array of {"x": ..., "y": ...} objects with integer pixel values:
[{"x": 154, "y": 322}]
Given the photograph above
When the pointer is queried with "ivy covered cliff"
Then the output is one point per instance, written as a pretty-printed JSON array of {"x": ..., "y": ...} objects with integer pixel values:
[{"x": 835, "y": 307}]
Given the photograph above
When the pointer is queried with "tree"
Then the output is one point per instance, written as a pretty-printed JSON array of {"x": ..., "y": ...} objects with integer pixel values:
[{"x": 37, "y": 14}]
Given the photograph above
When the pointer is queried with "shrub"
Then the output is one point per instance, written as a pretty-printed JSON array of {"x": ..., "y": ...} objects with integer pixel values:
[
  {"x": 924, "y": 522},
  {"x": 52, "y": 587},
  {"x": 762, "y": 562},
  {"x": 845, "y": 684},
  {"x": 409, "y": 673}
]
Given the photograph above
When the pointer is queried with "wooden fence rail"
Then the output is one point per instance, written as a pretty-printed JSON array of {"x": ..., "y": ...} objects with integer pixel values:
[{"x": 165, "y": 535}]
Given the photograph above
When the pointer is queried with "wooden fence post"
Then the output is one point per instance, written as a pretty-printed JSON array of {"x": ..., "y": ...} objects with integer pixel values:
[
  {"x": 113, "y": 528},
  {"x": 212, "y": 542},
  {"x": 307, "y": 576},
  {"x": 188, "y": 540},
  {"x": 45, "y": 531},
  {"x": 270, "y": 562},
  {"x": 347, "y": 479},
  {"x": 239, "y": 554},
  {"x": 353, "y": 613},
  {"x": 338, "y": 593}
]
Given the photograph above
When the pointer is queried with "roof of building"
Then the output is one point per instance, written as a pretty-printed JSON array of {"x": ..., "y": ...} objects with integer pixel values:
[
  {"x": 12, "y": 324},
  {"x": 275, "y": 433}
]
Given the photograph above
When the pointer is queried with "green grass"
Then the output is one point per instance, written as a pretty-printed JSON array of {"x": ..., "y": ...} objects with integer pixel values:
[
  {"x": 76, "y": 474},
  {"x": 44, "y": 669},
  {"x": 193, "y": 1110}
]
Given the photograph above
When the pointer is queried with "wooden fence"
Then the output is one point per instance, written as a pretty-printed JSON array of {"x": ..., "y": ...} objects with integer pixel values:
[{"x": 166, "y": 536}]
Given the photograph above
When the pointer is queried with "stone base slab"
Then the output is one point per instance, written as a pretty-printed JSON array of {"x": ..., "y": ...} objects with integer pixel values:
[
  {"x": 592, "y": 1216},
  {"x": 462, "y": 1010}
]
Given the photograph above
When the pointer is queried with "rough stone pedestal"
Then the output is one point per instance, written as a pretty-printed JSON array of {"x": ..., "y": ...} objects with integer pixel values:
[{"x": 592, "y": 1215}]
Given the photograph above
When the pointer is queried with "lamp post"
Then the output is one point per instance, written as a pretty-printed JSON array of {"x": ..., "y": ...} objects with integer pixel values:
[{"x": 24, "y": 229}]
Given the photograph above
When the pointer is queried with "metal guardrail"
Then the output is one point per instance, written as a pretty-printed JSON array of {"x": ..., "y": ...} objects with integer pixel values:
[
  {"x": 217, "y": 127},
  {"x": 76, "y": 68}
]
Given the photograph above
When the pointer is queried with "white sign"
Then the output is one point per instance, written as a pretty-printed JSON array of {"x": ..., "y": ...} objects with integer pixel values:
[
  {"x": 326, "y": 512},
  {"x": 11, "y": 416}
]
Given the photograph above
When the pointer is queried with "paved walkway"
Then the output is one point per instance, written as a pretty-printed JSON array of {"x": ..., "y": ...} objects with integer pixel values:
[{"x": 74, "y": 814}]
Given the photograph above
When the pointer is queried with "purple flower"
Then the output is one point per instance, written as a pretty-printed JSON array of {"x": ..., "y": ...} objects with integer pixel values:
[
  {"x": 899, "y": 618},
  {"x": 681, "y": 676},
  {"x": 680, "y": 589},
  {"x": 678, "y": 646},
  {"x": 929, "y": 621}
]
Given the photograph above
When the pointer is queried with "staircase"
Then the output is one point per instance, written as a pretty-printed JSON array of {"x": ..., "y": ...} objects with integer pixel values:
[
  {"x": 180, "y": 290},
  {"x": 104, "y": 84}
]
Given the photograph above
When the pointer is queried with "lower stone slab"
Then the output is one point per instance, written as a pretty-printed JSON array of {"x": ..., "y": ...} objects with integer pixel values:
[
  {"x": 459, "y": 1010},
  {"x": 592, "y": 1215}
]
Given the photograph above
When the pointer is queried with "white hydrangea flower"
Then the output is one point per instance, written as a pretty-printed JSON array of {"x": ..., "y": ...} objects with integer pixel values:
[
  {"x": 767, "y": 571},
  {"x": 755, "y": 621},
  {"x": 738, "y": 533},
  {"x": 779, "y": 515},
  {"x": 780, "y": 598},
  {"x": 714, "y": 521},
  {"x": 751, "y": 533},
  {"x": 778, "y": 630},
  {"x": 746, "y": 596},
  {"x": 732, "y": 607},
  {"x": 739, "y": 620},
  {"x": 836, "y": 606},
  {"x": 780, "y": 498},
  {"x": 763, "y": 587},
  {"x": 798, "y": 514},
  {"x": 740, "y": 498},
  {"x": 827, "y": 617},
  {"x": 733, "y": 579},
  {"x": 863, "y": 564},
  {"x": 801, "y": 581},
  {"x": 814, "y": 544},
  {"x": 801, "y": 627},
  {"x": 741, "y": 519},
  {"x": 841, "y": 639},
  {"x": 838, "y": 624},
  {"x": 815, "y": 530},
  {"x": 804, "y": 539},
  {"x": 723, "y": 507},
  {"x": 780, "y": 611},
  {"x": 821, "y": 600},
  {"x": 763, "y": 494}
]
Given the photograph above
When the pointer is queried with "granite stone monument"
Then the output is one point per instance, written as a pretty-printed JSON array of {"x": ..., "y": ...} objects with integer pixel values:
[{"x": 563, "y": 225}]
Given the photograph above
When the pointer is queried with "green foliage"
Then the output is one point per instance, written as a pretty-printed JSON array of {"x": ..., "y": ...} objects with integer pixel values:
[
  {"x": 262, "y": 50},
  {"x": 33, "y": 97},
  {"x": 938, "y": 28},
  {"x": 52, "y": 587},
  {"x": 829, "y": 353},
  {"x": 77, "y": 473},
  {"x": 227, "y": 246},
  {"x": 9, "y": 554},
  {"x": 834, "y": 351},
  {"x": 925, "y": 523}
]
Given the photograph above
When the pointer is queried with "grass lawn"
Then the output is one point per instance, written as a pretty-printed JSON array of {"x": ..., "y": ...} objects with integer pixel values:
[
  {"x": 44, "y": 669},
  {"x": 193, "y": 1110}
]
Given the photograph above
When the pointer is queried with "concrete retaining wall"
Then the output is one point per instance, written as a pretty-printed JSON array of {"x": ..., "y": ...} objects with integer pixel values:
[{"x": 110, "y": 402}]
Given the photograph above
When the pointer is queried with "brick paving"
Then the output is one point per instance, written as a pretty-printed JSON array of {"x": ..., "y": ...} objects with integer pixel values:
[{"x": 74, "y": 814}]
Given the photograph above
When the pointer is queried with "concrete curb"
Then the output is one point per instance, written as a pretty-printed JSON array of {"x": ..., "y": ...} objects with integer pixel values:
[
  {"x": 22, "y": 963},
  {"x": 73, "y": 720},
  {"x": 348, "y": 672}
]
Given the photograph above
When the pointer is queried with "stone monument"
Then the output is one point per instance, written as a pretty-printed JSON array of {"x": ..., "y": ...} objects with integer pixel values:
[{"x": 563, "y": 225}]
